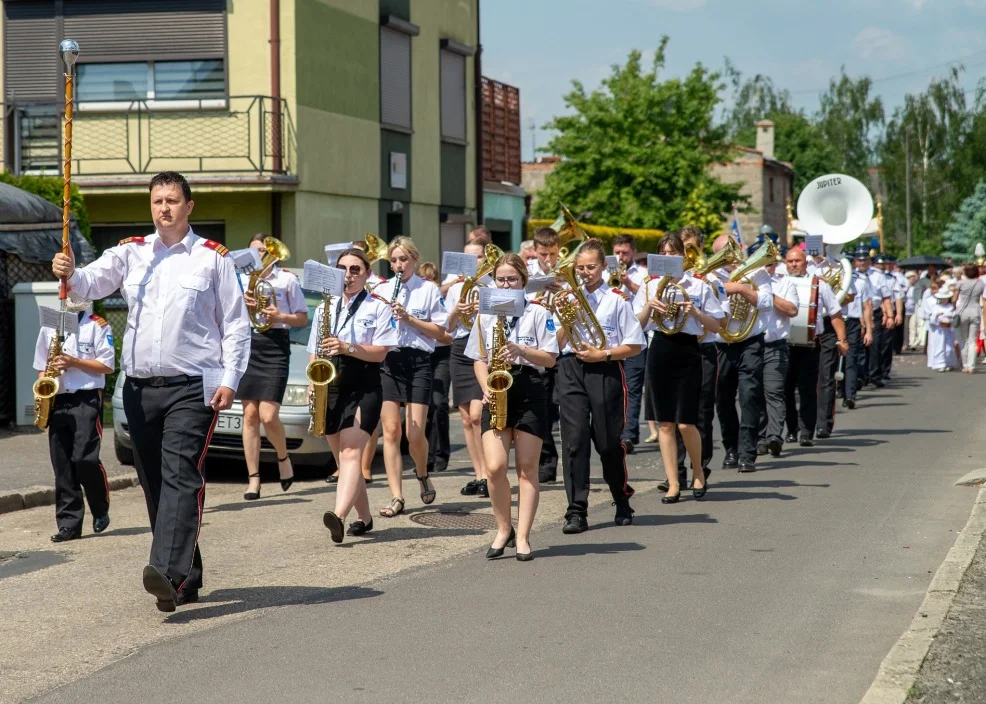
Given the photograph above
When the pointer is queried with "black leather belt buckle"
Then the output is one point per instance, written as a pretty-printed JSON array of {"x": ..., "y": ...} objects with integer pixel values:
[{"x": 157, "y": 381}]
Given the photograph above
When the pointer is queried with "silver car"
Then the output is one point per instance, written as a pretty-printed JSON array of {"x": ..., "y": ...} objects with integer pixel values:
[{"x": 227, "y": 439}]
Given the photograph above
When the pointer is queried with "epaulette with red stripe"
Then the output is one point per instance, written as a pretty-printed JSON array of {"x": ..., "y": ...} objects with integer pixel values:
[
  {"x": 621, "y": 294},
  {"x": 378, "y": 297},
  {"x": 101, "y": 322},
  {"x": 131, "y": 240},
  {"x": 215, "y": 246}
]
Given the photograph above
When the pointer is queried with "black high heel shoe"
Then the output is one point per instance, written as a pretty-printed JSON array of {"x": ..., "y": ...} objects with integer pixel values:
[
  {"x": 286, "y": 483},
  {"x": 494, "y": 553},
  {"x": 700, "y": 493},
  {"x": 668, "y": 499},
  {"x": 252, "y": 495}
]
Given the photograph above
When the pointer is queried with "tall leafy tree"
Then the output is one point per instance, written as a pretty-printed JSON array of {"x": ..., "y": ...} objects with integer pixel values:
[
  {"x": 849, "y": 118},
  {"x": 636, "y": 152},
  {"x": 967, "y": 227}
]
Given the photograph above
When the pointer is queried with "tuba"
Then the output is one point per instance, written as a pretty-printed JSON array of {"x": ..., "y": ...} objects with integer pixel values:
[
  {"x": 573, "y": 310},
  {"x": 499, "y": 380},
  {"x": 470, "y": 289},
  {"x": 740, "y": 310},
  {"x": 320, "y": 372},
  {"x": 46, "y": 387},
  {"x": 260, "y": 288}
]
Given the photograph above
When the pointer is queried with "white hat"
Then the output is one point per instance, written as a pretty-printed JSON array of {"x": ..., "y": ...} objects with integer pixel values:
[
  {"x": 911, "y": 273},
  {"x": 944, "y": 292}
]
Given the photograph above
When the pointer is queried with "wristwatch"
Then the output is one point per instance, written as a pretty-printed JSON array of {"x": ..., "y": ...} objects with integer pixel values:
[
  {"x": 609, "y": 356},
  {"x": 350, "y": 349},
  {"x": 839, "y": 341}
]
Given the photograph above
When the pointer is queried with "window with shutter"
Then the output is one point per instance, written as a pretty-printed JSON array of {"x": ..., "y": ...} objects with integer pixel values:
[
  {"x": 453, "y": 98},
  {"x": 30, "y": 47},
  {"x": 395, "y": 79}
]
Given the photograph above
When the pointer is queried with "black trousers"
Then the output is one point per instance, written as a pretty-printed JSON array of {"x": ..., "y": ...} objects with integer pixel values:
[
  {"x": 437, "y": 428},
  {"x": 592, "y": 401},
  {"x": 548, "y": 462},
  {"x": 171, "y": 427},
  {"x": 776, "y": 356},
  {"x": 706, "y": 408},
  {"x": 849, "y": 383},
  {"x": 634, "y": 369},
  {"x": 740, "y": 373},
  {"x": 75, "y": 429},
  {"x": 828, "y": 364},
  {"x": 900, "y": 332},
  {"x": 887, "y": 352},
  {"x": 881, "y": 337},
  {"x": 802, "y": 378}
]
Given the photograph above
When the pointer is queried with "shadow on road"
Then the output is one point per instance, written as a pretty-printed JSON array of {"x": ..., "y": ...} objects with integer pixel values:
[
  {"x": 133, "y": 530},
  {"x": 245, "y": 505},
  {"x": 237, "y": 601},
  {"x": 578, "y": 549},
  {"x": 886, "y": 431},
  {"x": 802, "y": 463}
]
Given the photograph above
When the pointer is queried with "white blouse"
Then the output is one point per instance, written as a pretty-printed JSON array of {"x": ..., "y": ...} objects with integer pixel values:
[
  {"x": 452, "y": 300},
  {"x": 698, "y": 291},
  {"x": 421, "y": 299},
  {"x": 615, "y": 316},
  {"x": 370, "y": 324},
  {"x": 535, "y": 328}
]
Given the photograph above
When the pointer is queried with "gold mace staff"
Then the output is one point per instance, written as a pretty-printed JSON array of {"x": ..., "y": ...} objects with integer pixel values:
[{"x": 70, "y": 54}]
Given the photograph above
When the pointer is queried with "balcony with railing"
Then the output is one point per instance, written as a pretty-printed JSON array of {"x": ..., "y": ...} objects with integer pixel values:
[{"x": 239, "y": 138}]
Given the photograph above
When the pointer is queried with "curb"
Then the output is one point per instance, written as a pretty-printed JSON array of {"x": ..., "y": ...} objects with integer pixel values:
[
  {"x": 35, "y": 496},
  {"x": 899, "y": 669}
]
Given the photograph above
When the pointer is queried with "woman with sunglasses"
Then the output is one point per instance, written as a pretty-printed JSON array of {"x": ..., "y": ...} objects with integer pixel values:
[
  {"x": 262, "y": 386},
  {"x": 419, "y": 320},
  {"x": 592, "y": 393},
  {"x": 530, "y": 348},
  {"x": 675, "y": 366},
  {"x": 360, "y": 336}
]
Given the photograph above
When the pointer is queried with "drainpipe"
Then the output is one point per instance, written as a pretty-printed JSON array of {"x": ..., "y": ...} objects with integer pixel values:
[
  {"x": 478, "y": 70},
  {"x": 275, "y": 94}
]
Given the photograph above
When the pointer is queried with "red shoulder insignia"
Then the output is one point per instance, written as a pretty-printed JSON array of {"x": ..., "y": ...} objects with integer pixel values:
[
  {"x": 131, "y": 240},
  {"x": 101, "y": 322},
  {"x": 215, "y": 246},
  {"x": 619, "y": 292},
  {"x": 379, "y": 297}
]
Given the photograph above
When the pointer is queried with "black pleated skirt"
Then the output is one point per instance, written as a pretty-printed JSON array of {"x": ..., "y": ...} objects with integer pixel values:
[
  {"x": 465, "y": 385},
  {"x": 675, "y": 378},
  {"x": 266, "y": 376},
  {"x": 407, "y": 376},
  {"x": 357, "y": 394},
  {"x": 527, "y": 403}
]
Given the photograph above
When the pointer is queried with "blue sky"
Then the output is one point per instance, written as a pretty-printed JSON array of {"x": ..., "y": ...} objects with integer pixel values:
[{"x": 541, "y": 45}]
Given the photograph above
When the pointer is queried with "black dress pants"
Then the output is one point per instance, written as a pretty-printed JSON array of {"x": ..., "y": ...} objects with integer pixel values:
[
  {"x": 887, "y": 352},
  {"x": 880, "y": 338},
  {"x": 437, "y": 427},
  {"x": 828, "y": 364},
  {"x": 548, "y": 462},
  {"x": 740, "y": 373},
  {"x": 854, "y": 334},
  {"x": 171, "y": 427},
  {"x": 75, "y": 429},
  {"x": 592, "y": 406},
  {"x": 634, "y": 368},
  {"x": 802, "y": 377},
  {"x": 706, "y": 407},
  {"x": 775, "y": 363}
]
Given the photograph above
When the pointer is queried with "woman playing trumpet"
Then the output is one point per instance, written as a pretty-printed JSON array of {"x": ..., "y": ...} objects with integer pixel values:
[
  {"x": 529, "y": 346},
  {"x": 675, "y": 373},
  {"x": 360, "y": 336}
]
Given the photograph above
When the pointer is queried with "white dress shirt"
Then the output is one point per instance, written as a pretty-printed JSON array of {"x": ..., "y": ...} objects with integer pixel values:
[
  {"x": 615, "y": 316},
  {"x": 828, "y": 305},
  {"x": 452, "y": 300},
  {"x": 765, "y": 297},
  {"x": 94, "y": 341},
  {"x": 287, "y": 290},
  {"x": 699, "y": 292},
  {"x": 778, "y": 325},
  {"x": 535, "y": 328},
  {"x": 186, "y": 313},
  {"x": 863, "y": 292},
  {"x": 422, "y": 300},
  {"x": 880, "y": 283},
  {"x": 637, "y": 274},
  {"x": 370, "y": 324}
]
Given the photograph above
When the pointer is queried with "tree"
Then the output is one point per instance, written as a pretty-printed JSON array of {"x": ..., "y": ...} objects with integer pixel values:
[
  {"x": 849, "y": 120},
  {"x": 636, "y": 152},
  {"x": 968, "y": 226}
]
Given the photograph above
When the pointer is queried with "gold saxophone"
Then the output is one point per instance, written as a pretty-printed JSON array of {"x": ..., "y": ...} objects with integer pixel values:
[
  {"x": 499, "y": 380},
  {"x": 46, "y": 387},
  {"x": 320, "y": 372}
]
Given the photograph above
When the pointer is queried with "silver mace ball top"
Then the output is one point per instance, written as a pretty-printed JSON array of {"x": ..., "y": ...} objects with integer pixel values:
[{"x": 69, "y": 49}]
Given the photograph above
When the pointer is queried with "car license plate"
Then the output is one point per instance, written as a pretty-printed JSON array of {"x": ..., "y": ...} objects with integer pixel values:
[{"x": 229, "y": 424}]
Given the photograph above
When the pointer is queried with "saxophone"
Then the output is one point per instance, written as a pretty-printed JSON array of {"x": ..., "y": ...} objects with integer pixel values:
[
  {"x": 46, "y": 387},
  {"x": 499, "y": 380},
  {"x": 320, "y": 372}
]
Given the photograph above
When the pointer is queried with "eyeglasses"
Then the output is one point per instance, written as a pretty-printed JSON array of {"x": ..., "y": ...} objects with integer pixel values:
[
  {"x": 354, "y": 270},
  {"x": 587, "y": 268},
  {"x": 507, "y": 280}
]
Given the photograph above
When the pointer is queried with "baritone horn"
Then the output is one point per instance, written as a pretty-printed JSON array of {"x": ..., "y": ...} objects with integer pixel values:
[
  {"x": 574, "y": 312},
  {"x": 263, "y": 292},
  {"x": 673, "y": 295},
  {"x": 742, "y": 315},
  {"x": 470, "y": 289},
  {"x": 376, "y": 248}
]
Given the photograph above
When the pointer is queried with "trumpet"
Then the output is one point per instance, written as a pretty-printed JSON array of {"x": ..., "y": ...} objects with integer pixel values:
[
  {"x": 470, "y": 289},
  {"x": 320, "y": 372},
  {"x": 574, "y": 312},
  {"x": 616, "y": 276},
  {"x": 260, "y": 288},
  {"x": 740, "y": 310},
  {"x": 499, "y": 379}
]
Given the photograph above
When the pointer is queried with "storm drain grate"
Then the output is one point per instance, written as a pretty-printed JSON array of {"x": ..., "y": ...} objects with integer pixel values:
[{"x": 455, "y": 519}]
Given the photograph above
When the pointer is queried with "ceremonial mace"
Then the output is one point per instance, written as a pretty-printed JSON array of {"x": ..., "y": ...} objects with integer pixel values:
[{"x": 70, "y": 54}]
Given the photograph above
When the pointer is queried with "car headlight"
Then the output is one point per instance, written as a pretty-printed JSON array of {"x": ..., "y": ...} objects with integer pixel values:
[{"x": 295, "y": 395}]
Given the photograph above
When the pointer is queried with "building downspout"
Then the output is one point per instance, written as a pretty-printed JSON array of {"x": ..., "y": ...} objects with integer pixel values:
[
  {"x": 275, "y": 94},
  {"x": 478, "y": 70}
]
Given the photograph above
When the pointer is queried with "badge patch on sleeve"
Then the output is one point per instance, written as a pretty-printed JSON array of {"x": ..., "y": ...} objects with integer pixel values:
[{"x": 550, "y": 325}]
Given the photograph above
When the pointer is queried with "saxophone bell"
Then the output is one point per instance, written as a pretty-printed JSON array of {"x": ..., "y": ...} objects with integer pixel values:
[{"x": 499, "y": 379}]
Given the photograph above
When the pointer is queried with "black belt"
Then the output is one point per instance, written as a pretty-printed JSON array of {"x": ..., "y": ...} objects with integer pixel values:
[{"x": 160, "y": 381}]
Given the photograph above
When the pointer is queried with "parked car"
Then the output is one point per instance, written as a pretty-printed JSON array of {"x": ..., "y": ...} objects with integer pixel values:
[{"x": 227, "y": 439}]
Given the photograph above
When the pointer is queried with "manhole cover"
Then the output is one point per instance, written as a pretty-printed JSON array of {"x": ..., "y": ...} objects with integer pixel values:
[{"x": 455, "y": 519}]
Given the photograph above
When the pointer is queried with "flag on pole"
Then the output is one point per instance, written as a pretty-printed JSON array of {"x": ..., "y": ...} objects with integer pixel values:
[{"x": 734, "y": 230}]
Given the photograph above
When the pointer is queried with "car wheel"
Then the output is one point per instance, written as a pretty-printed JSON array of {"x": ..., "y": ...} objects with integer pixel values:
[{"x": 124, "y": 455}]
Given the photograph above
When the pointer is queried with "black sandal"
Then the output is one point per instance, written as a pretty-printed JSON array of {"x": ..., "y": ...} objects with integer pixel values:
[
  {"x": 427, "y": 495},
  {"x": 252, "y": 495},
  {"x": 394, "y": 508},
  {"x": 285, "y": 483}
]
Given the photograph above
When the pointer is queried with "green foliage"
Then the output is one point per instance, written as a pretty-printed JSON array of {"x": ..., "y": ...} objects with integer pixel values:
[
  {"x": 637, "y": 151},
  {"x": 51, "y": 188},
  {"x": 968, "y": 226},
  {"x": 849, "y": 118}
]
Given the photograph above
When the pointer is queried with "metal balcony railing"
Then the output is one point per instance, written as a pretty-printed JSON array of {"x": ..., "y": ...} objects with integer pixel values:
[{"x": 242, "y": 135}]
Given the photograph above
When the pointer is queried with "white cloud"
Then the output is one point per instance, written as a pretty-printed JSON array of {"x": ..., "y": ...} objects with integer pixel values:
[
  {"x": 918, "y": 4},
  {"x": 680, "y": 5},
  {"x": 880, "y": 43}
]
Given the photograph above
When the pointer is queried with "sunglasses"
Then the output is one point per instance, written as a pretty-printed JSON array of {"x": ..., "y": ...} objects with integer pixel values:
[{"x": 354, "y": 270}]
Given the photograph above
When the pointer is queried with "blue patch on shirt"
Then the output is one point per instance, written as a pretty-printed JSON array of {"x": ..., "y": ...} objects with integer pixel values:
[
  {"x": 109, "y": 338},
  {"x": 550, "y": 325}
]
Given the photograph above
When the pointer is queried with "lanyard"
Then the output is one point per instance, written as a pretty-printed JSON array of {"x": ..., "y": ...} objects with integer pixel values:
[{"x": 353, "y": 307}]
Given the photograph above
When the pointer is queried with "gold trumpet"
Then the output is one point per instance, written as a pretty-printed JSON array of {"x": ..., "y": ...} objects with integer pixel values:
[
  {"x": 320, "y": 372},
  {"x": 727, "y": 256},
  {"x": 740, "y": 309},
  {"x": 274, "y": 251},
  {"x": 616, "y": 276},
  {"x": 470, "y": 289},
  {"x": 574, "y": 312}
]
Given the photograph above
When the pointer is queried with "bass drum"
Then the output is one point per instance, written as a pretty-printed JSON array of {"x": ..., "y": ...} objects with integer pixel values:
[{"x": 803, "y": 324}]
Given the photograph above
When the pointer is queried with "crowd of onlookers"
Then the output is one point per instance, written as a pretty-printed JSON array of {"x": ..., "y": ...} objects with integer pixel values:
[{"x": 947, "y": 311}]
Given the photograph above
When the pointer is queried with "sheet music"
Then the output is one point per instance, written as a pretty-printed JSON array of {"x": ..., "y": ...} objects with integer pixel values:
[
  {"x": 536, "y": 284},
  {"x": 211, "y": 381},
  {"x": 332, "y": 251},
  {"x": 814, "y": 245},
  {"x": 501, "y": 301},
  {"x": 459, "y": 263},
  {"x": 612, "y": 262},
  {"x": 246, "y": 260},
  {"x": 665, "y": 265},
  {"x": 51, "y": 318},
  {"x": 322, "y": 278}
]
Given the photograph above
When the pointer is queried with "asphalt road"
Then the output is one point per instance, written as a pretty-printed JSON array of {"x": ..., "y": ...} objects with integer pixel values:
[{"x": 787, "y": 585}]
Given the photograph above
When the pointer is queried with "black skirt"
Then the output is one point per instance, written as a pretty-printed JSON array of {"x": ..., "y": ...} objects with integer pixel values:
[
  {"x": 266, "y": 376},
  {"x": 465, "y": 385},
  {"x": 527, "y": 403},
  {"x": 357, "y": 393},
  {"x": 675, "y": 378},
  {"x": 406, "y": 376},
  {"x": 650, "y": 411}
]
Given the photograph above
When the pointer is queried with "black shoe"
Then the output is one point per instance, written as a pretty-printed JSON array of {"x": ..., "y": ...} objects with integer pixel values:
[
  {"x": 663, "y": 485},
  {"x": 440, "y": 467},
  {"x": 791, "y": 437},
  {"x": 252, "y": 495},
  {"x": 470, "y": 489},
  {"x": 332, "y": 479},
  {"x": 849, "y": 403},
  {"x": 838, "y": 393},
  {"x": 494, "y": 553},
  {"x": 546, "y": 479},
  {"x": 100, "y": 523},
  {"x": 157, "y": 584},
  {"x": 699, "y": 494},
  {"x": 774, "y": 447},
  {"x": 823, "y": 434},
  {"x": 879, "y": 384},
  {"x": 66, "y": 534},
  {"x": 482, "y": 489},
  {"x": 286, "y": 483},
  {"x": 575, "y": 524},
  {"x": 731, "y": 461},
  {"x": 624, "y": 514},
  {"x": 628, "y": 446},
  {"x": 761, "y": 449},
  {"x": 671, "y": 499},
  {"x": 524, "y": 556},
  {"x": 359, "y": 528},
  {"x": 806, "y": 441},
  {"x": 187, "y": 596},
  {"x": 335, "y": 526},
  {"x": 746, "y": 467}
]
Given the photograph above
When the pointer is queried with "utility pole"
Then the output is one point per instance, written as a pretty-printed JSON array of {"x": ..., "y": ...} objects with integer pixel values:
[{"x": 907, "y": 186}]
